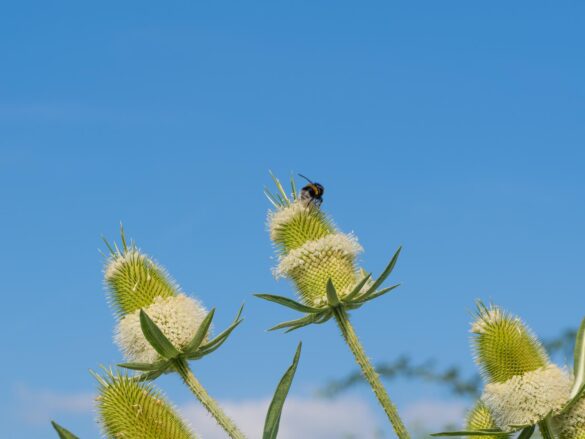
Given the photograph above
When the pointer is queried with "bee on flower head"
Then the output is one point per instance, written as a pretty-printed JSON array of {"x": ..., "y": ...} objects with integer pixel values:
[{"x": 312, "y": 193}]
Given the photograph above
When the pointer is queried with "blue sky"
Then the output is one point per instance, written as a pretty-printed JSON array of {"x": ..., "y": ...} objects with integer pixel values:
[{"x": 454, "y": 129}]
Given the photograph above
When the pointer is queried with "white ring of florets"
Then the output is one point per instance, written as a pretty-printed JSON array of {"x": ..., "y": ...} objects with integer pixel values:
[
  {"x": 117, "y": 260},
  {"x": 528, "y": 398},
  {"x": 178, "y": 317},
  {"x": 280, "y": 217},
  {"x": 340, "y": 242}
]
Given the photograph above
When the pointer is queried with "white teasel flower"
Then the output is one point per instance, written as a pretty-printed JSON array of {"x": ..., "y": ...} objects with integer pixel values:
[
  {"x": 528, "y": 398},
  {"x": 178, "y": 317},
  {"x": 313, "y": 252}
]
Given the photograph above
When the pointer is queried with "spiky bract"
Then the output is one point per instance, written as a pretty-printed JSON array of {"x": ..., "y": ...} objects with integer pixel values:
[
  {"x": 130, "y": 409},
  {"x": 178, "y": 317},
  {"x": 528, "y": 398},
  {"x": 504, "y": 347},
  {"x": 134, "y": 280},
  {"x": 480, "y": 418},
  {"x": 571, "y": 425}
]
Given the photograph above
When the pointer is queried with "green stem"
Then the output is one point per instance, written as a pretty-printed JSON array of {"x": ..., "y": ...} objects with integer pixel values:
[
  {"x": 369, "y": 373},
  {"x": 546, "y": 429},
  {"x": 208, "y": 402}
]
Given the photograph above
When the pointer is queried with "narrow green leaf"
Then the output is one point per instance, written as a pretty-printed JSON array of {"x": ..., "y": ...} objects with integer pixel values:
[
  {"x": 357, "y": 288},
  {"x": 62, "y": 432},
  {"x": 289, "y": 303},
  {"x": 144, "y": 367},
  {"x": 214, "y": 344},
  {"x": 385, "y": 273},
  {"x": 321, "y": 318},
  {"x": 156, "y": 338},
  {"x": 579, "y": 361},
  {"x": 275, "y": 410},
  {"x": 282, "y": 195},
  {"x": 332, "y": 297},
  {"x": 527, "y": 432},
  {"x": 150, "y": 376},
  {"x": 374, "y": 295},
  {"x": 302, "y": 321},
  {"x": 200, "y": 334},
  {"x": 293, "y": 186}
]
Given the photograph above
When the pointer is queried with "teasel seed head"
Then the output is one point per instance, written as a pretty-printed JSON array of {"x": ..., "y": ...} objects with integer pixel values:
[
  {"x": 480, "y": 418},
  {"x": 504, "y": 346},
  {"x": 130, "y": 409}
]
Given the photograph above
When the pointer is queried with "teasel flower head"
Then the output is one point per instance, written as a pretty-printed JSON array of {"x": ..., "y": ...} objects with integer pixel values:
[
  {"x": 504, "y": 346},
  {"x": 311, "y": 251},
  {"x": 130, "y": 409},
  {"x": 480, "y": 418},
  {"x": 523, "y": 387},
  {"x": 136, "y": 282}
]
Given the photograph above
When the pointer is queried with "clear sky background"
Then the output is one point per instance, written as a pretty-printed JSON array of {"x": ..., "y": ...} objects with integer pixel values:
[{"x": 455, "y": 129}]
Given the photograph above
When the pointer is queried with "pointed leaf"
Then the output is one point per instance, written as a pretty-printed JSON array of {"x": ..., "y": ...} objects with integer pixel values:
[
  {"x": 374, "y": 295},
  {"x": 62, "y": 432},
  {"x": 307, "y": 320},
  {"x": 275, "y": 410},
  {"x": 332, "y": 297},
  {"x": 214, "y": 344},
  {"x": 156, "y": 338},
  {"x": 579, "y": 362},
  {"x": 386, "y": 272},
  {"x": 527, "y": 432},
  {"x": 357, "y": 288},
  {"x": 322, "y": 318},
  {"x": 285, "y": 301},
  {"x": 144, "y": 367},
  {"x": 200, "y": 334}
]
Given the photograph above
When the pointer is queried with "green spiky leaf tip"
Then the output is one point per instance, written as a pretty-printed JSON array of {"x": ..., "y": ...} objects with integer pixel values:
[{"x": 135, "y": 410}]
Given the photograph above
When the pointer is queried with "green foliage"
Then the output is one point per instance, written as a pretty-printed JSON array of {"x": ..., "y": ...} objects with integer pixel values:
[
  {"x": 135, "y": 410},
  {"x": 63, "y": 432},
  {"x": 272, "y": 422},
  {"x": 504, "y": 347}
]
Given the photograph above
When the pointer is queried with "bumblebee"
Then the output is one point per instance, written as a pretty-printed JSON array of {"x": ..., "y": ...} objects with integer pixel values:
[{"x": 312, "y": 193}]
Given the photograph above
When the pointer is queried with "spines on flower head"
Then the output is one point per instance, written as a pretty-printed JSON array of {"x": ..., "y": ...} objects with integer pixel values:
[
  {"x": 178, "y": 317},
  {"x": 310, "y": 248},
  {"x": 480, "y": 418},
  {"x": 133, "y": 279},
  {"x": 504, "y": 346},
  {"x": 136, "y": 410},
  {"x": 528, "y": 398}
]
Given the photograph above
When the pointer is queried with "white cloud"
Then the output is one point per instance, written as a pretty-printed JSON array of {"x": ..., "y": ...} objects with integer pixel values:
[
  {"x": 39, "y": 406},
  {"x": 307, "y": 418}
]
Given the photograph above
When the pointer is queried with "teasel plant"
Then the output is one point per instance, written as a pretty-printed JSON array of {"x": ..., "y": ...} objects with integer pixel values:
[
  {"x": 321, "y": 262},
  {"x": 523, "y": 389}
]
